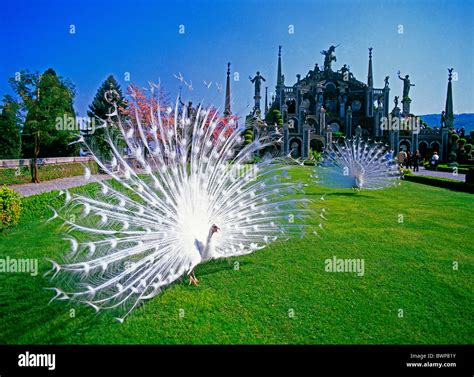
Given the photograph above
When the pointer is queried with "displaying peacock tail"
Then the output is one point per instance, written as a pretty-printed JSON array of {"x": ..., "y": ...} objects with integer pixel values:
[
  {"x": 187, "y": 192},
  {"x": 357, "y": 164}
]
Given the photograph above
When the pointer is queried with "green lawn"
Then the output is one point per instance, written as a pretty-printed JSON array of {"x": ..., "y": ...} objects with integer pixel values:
[{"x": 408, "y": 266}]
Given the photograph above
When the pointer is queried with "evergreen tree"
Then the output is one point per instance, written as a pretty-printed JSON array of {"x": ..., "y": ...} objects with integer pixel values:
[
  {"x": 108, "y": 93},
  {"x": 46, "y": 99},
  {"x": 274, "y": 116},
  {"x": 10, "y": 128}
]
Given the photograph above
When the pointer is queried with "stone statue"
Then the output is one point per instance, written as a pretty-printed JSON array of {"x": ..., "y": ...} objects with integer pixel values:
[
  {"x": 443, "y": 119},
  {"x": 329, "y": 57},
  {"x": 313, "y": 72},
  {"x": 395, "y": 100},
  {"x": 406, "y": 85},
  {"x": 258, "y": 83},
  {"x": 386, "y": 81},
  {"x": 379, "y": 102},
  {"x": 450, "y": 73}
]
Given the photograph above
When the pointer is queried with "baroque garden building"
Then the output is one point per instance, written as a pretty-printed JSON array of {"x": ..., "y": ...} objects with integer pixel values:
[{"x": 329, "y": 103}]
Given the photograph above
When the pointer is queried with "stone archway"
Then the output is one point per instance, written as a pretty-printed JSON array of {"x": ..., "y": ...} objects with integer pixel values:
[
  {"x": 295, "y": 147},
  {"x": 423, "y": 148},
  {"x": 317, "y": 144},
  {"x": 405, "y": 145},
  {"x": 435, "y": 146}
]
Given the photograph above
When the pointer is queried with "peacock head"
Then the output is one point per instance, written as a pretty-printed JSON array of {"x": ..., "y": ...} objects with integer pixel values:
[{"x": 214, "y": 229}]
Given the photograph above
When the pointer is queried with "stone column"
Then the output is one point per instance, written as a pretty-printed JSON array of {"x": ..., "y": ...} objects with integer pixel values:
[
  {"x": 328, "y": 137},
  {"x": 444, "y": 144},
  {"x": 396, "y": 137},
  {"x": 377, "y": 117},
  {"x": 306, "y": 138},
  {"x": 286, "y": 139},
  {"x": 369, "y": 105},
  {"x": 348, "y": 124},
  {"x": 386, "y": 100},
  {"x": 414, "y": 142},
  {"x": 322, "y": 120}
]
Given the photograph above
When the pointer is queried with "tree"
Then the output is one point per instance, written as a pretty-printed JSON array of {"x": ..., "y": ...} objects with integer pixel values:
[
  {"x": 274, "y": 116},
  {"x": 10, "y": 128},
  {"x": 108, "y": 93},
  {"x": 45, "y": 99}
]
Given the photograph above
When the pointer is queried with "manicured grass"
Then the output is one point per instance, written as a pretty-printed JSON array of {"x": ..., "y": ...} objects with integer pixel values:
[
  {"x": 408, "y": 266},
  {"x": 13, "y": 176}
]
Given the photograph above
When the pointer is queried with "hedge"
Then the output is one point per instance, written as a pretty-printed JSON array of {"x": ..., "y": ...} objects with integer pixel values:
[
  {"x": 449, "y": 169},
  {"x": 451, "y": 184}
]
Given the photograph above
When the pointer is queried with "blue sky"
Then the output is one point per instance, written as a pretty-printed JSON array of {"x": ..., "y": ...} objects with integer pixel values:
[{"x": 143, "y": 39}]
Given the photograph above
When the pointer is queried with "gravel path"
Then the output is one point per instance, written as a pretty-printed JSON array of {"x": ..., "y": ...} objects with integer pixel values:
[
  {"x": 441, "y": 174},
  {"x": 29, "y": 189}
]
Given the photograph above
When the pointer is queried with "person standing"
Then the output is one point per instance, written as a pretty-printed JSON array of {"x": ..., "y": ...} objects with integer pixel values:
[
  {"x": 408, "y": 160},
  {"x": 416, "y": 160},
  {"x": 401, "y": 157},
  {"x": 435, "y": 160}
]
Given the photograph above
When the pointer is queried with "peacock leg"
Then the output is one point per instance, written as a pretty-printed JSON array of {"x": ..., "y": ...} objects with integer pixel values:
[{"x": 193, "y": 280}]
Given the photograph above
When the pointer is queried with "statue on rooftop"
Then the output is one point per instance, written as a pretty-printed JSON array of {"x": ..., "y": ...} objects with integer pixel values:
[
  {"x": 258, "y": 83},
  {"x": 406, "y": 85},
  {"x": 329, "y": 57}
]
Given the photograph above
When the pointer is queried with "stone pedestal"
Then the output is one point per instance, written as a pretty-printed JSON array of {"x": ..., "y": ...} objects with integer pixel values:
[{"x": 406, "y": 106}]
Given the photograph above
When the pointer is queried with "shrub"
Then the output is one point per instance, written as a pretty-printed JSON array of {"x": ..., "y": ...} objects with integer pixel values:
[
  {"x": 10, "y": 207},
  {"x": 468, "y": 148}
]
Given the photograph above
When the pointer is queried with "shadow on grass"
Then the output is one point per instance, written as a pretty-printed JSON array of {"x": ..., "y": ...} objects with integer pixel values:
[
  {"x": 216, "y": 266},
  {"x": 351, "y": 194}
]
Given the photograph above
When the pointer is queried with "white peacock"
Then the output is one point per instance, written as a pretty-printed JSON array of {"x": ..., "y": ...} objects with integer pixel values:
[
  {"x": 357, "y": 164},
  {"x": 195, "y": 196}
]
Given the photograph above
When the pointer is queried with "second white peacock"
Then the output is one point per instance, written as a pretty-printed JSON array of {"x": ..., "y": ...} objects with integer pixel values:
[{"x": 357, "y": 164}]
